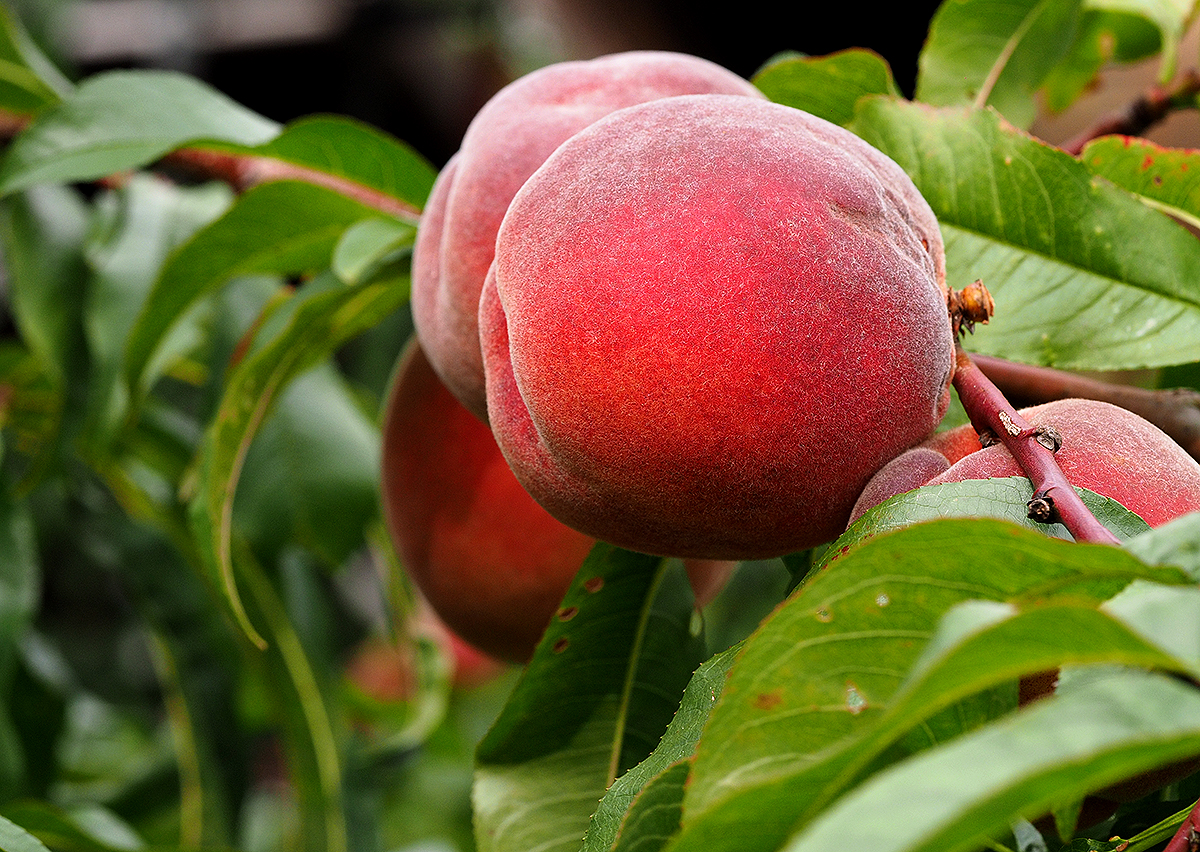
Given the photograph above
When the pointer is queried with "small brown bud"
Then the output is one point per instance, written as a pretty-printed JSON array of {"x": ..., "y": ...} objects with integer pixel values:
[
  {"x": 1042, "y": 509},
  {"x": 1049, "y": 437},
  {"x": 970, "y": 305}
]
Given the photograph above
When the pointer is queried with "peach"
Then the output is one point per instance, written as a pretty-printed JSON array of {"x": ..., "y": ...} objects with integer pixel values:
[
  {"x": 1105, "y": 449},
  {"x": 490, "y": 561},
  {"x": 710, "y": 319},
  {"x": 509, "y": 138}
]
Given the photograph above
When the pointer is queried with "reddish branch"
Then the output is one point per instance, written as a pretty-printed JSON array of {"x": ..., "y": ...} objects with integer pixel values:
[
  {"x": 1187, "y": 838},
  {"x": 242, "y": 171},
  {"x": 1176, "y": 411},
  {"x": 1143, "y": 112},
  {"x": 1054, "y": 498}
]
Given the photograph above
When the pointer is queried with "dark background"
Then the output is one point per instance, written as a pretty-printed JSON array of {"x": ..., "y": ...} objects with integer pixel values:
[{"x": 420, "y": 69}]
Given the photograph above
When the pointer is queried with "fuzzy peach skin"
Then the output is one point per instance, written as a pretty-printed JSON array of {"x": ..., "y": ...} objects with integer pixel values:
[
  {"x": 490, "y": 561},
  {"x": 1105, "y": 449},
  {"x": 509, "y": 138},
  {"x": 709, "y": 321}
]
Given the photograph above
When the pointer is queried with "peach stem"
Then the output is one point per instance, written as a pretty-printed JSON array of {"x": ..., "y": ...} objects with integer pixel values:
[{"x": 990, "y": 411}]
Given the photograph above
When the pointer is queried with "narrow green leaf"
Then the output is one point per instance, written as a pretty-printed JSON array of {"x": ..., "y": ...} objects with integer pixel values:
[
  {"x": 1171, "y": 17},
  {"x": 594, "y": 700},
  {"x": 199, "y": 671},
  {"x": 1164, "y": 178},
  {"x": 121, "y": 120},
  {"x": 654, "y": 815},
  {"x": 952, "y": 797},
  {"x": 62, "y": 830},
  {"x": 13, "y": 838},
  {"x": 43, "y": 233},
  {"x": 1004, "y": 498},
  {"x": 1174, "y": 543},
  {"x": 137, "y": 227},
  {"x": 677, "y": 746},
  {"x": 827, "y": 86},
  {"x": 285, "y": 228},
  {"x": 1083, "y": 275},
  {"x": 20, "y": 572},
  {"x": 994, "y": 53},
  {"x": 367, "y": 244},
  {"x": 310, "y": 738},
  {"x": 20, "y": 592},
  {"x": 1103, "y": 37},
  {"x": 824, "y": 666},
  {"x": 311, "y": 474},
  {"x": 28, "y": 80},
  {"x": 318, "y": 326}
]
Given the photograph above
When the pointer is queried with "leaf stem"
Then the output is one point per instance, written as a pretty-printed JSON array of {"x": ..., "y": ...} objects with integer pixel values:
[{"x": 991, "y": 413}]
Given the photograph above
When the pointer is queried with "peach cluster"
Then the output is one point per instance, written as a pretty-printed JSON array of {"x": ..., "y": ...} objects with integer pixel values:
[
  {"x": 510, "y": 137},
  {"x": 657, "y": 311}
]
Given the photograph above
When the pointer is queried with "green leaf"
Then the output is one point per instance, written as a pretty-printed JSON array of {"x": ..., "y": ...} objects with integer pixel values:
[
  {"x": 13, "y": 838},
  {"x": 335, "y": 147},
  {"x": 199, "y": 672},
  {"x": 951, "y": 797},
  {"x": 1174, "y": 543},
  {"x": 978, "y": 646},
  {"x": 28, "y": 80},
  {"x": 286, "y": 228},
  {"x": 366, "y": 245},
  {"x": 824, "y": 669},
  {"x": 1171, "y": 17},
  {"x": 1103, "y": 37},
  {"x": 827, "y": 86},
  {"x": 68, "y": 830},
  {"x": 1083, "y": 275},
  {"x": 20, "y": 587},
  {"x": 311, "y": 475},
  {"x": 994, "y": 53},
  {"x": 1003, "y": 498},
  {"x": 1164, "y": 178},
  {"x": 309, "y": 732},
  {"x": 654, "y": 815},
  {"x": 319, "y": 325},
  {"x": 137, "y": 227},
  {"x": 20, "y": 573},
  {"x": 661, "y": 767},
  {"x": 594, "y": 700},
  {"x": 121, "y": 120},
  {"x": 43, "y": 233}
]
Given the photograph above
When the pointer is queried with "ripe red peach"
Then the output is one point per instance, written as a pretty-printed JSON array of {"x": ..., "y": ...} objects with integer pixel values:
[
  {"x": 709, "y": 321},
  {"x": 509, "y": 138},
  {"x": 490, "y": 561}
]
